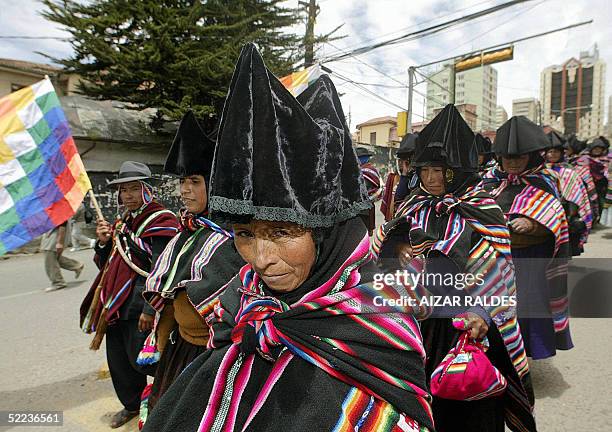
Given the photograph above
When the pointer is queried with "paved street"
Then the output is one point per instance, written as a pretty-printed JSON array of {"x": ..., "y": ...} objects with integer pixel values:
[{"x": 45, "y": 362}]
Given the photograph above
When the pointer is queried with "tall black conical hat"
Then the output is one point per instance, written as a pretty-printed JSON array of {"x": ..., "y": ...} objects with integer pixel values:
[
  {"x": 575, "y": 144},
  {"x": 598, "y": 142},
  {"x": 274, "y": 161},
  {"x": 555, "y": 140},
  {"x": 448, "y": 139},
  {"x": 483, "y": 144},
  {"x": 407, "y": 145},
  {"x": 519, "y": 135},
  {"x": 192, "y": 151}
]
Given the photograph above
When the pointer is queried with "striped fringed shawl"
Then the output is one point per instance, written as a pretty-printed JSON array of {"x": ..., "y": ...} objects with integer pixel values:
[
  {"x": 535, "y": 195},
  {"x": 581, "y": 165},
  {"x": 372, "y": 180},
  {"x": 264, "y": 351},
  {"x": 573, "y": 190},
  {"x": 117, "y": 278},
  {"x": 201, "y": 260},
  {"x": 474, "y": 212}
]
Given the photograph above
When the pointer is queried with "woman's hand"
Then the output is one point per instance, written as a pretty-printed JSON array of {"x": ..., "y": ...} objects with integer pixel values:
[
  {"x": 522, "y": 225},
  {"x": 145, "y": 322},
  {"x": 404, "y": 253},
  {"x": 477, "y": 327},
  {"x": 103, "y": 232}
]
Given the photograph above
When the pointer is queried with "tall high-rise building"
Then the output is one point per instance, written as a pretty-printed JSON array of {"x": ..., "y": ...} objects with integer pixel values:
[
  {"x": 609, "y": 125},
  {"x": 500, "y": 116},
  {"x": 527, "y": 107},
  {"x": 475, "y": 86},
  {"x": 572, "y": 95}
]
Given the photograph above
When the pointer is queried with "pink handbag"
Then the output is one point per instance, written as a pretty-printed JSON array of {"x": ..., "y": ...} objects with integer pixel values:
[{"x": 466, "y": 373}]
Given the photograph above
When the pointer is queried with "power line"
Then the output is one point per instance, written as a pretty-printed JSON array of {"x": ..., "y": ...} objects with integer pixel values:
[
  {"x": 37, "y": 37},
  {"x": 348, "y": 47},
  {"x": 506, "y": 43},
  {"x": 426, "y": 31}
]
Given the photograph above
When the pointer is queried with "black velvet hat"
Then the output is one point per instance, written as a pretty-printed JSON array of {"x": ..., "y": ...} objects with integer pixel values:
[
  {"x": 192, "y": 151},
  {"x": 279, "y": 161},
  {"x": 598, "y": 142},
  {"x": 449, "y": 140},
  {"x": 361, "y": 151},
  {"x": 483, "y": 144},
  {"x": 518, "y": 136},
  {"x": 555, "y": 140},
  {"x": 407, "y": 146},
  {"x": 575, "y": 144}
]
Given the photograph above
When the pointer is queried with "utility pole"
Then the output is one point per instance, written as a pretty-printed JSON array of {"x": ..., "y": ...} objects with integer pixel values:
[
  {"x": 309, "y": 37},
  {"x": 410, "y": 90},
  {"x": 451, "y": 82}
]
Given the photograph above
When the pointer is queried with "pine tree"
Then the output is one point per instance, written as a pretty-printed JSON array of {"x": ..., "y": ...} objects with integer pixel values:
[{"x": 173, "y": 55}]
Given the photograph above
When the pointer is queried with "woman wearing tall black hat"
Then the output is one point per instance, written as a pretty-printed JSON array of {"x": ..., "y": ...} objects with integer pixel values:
[
  {"x": 575, "y": 198},
  {"x": 297, "y": 343},
  {"x": 574, "y": 149},
  {"x": 598, "y": 165},
  {"x": 486, "y": 157},
  {"x": 449, "y": 226},
  {"x": 529, "y": 194},
  {"x": 399, "y": 185},
  {"x": 192, "y": 270}
]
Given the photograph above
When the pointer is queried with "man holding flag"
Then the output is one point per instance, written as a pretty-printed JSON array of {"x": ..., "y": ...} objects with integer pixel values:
[{"x": 114, "y": 306}]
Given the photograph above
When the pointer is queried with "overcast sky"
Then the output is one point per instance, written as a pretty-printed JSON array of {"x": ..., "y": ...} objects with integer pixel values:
[{"x": 366, "y": 21}]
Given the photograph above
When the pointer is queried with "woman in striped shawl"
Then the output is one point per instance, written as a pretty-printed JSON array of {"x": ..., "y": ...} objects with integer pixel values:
[
  {"x": 450, "y": 227},
  {"x": 575, "y": 197},
  {"x": 192, "y": 270},
  {"x": 297, "y": 343},
  {"x": 528, "y": 193},
  {"x": 373, "y": 184}
]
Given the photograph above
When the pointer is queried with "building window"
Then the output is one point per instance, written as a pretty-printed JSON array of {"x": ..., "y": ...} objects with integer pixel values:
[{"x": 372, "y": 138}]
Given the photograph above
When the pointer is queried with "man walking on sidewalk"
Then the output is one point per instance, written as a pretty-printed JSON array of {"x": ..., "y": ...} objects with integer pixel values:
[{"x": 53, "y": 244}]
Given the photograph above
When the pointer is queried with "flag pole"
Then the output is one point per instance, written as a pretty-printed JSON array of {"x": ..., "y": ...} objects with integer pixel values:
[{"x": 94, "y": 203}]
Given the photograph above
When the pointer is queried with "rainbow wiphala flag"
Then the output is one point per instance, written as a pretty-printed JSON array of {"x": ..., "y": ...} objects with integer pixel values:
[
  {"x": 297, "y": 82},
  {"x": 42, "y": 178}
]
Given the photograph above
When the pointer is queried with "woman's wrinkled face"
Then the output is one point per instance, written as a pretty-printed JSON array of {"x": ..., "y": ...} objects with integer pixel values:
[
  {"x": 596, "y": 151},
  {"x": 131, "y": 195},
  {"x": 193, "y": 193},
  {"x": 281, "y": 253},
  {"x": 515, "y": 164},
  {"x": 553, "y": 155},
  {"x": 403, "y": 166},
  {"x": 432, "y": 178}
]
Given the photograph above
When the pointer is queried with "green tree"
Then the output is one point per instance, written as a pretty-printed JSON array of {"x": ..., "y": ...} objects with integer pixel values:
[{"x": 173, "y": 55}]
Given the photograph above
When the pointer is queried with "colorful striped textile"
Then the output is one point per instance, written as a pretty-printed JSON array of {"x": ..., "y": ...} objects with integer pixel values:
[
  {"x": 201, "y": 260},
  {"x": 360, "y": 411},
  {"x": 471, "y": 212},
  {"x": 490, "y": 256},
  {"x": 573, "y": 190},
  {"x": 116, "y": 276},
  {"x": 299, "y": 81},
  {"x": 581, "y": 165},
  {"x": 42, "y": 178},
  {"x": 341, "y": 302},
  {"x": 535, "y": 194},
  {"x": 372, "y": 180}
]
